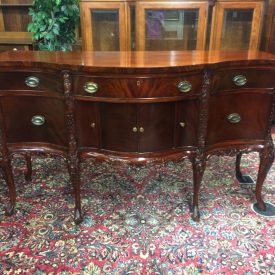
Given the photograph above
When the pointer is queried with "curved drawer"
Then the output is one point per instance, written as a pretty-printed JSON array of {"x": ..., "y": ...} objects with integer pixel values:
[
  {"x": 34, "y": 81},
  {"x": 34, "y": 119},
  {"x": 137, "y": 87},
  {"x": 238, "y": 117},
  {"x": 242, "y": 78}
]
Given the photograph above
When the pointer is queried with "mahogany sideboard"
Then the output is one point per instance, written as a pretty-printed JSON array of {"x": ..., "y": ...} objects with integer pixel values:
[{"x": 137, "y": 107}]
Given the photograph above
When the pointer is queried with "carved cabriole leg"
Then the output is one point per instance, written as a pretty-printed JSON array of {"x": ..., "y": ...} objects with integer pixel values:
[
  {"x": 266, "y": 160},
  {"x": 7, "y": 169},
  {"x": 73, "y": 157},
  {"x": 28, "y": 175},
  {"x": 198, "y": 170},
  {"x": 74, "y": 172},
  {"x": 239, "y": 174}
]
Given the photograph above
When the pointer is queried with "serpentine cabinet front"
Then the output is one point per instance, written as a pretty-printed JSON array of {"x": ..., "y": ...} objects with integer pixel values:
[{"x": 136, "y": 107}]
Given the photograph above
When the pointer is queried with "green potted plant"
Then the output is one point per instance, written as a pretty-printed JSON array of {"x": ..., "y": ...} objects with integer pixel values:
[{"x": 53, "y": 24}]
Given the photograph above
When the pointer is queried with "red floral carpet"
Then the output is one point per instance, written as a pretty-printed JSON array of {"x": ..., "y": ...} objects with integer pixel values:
[{"x": 134, "y": 221}]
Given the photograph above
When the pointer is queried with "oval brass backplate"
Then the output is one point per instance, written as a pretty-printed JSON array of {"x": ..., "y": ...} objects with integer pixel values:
[
  {"x": 184, "y": 86},
  {"x": 234, "y": 118},
  {"x": 90, "y": 87},
  {"x": 239, "y": 80},
  {"x": 38, "y": 120}
]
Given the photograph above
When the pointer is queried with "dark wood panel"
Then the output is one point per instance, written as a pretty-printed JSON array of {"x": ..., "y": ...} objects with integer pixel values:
[
  {"x": 157, "y": 121},
  {"x": 117, "y": 123},
  {"x": 188, "y": 113},
  {"x": 19, "y": 111},
  {"x": 254, "y": 110},
  {"x": 87, "y": 124}
]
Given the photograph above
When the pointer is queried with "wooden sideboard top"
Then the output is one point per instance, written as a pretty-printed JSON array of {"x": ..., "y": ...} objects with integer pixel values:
[{"x": 133, "y": 60}]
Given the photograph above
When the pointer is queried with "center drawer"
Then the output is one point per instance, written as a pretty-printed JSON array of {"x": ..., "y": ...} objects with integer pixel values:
[{"x": 137, "y": 87}]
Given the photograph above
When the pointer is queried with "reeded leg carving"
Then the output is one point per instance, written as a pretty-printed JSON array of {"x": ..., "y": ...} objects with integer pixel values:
[
  {"x": 266, "y": 160},
  {"x": 75, "y": 179},
  {"x": 7, "y": 169},
  {"x": 28, "y": 175},
  {"x": 198, "y": 170}
]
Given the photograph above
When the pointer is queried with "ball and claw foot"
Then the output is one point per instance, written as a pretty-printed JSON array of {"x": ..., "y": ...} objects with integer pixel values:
[
  {"x": 77, "y": 216},
  {"x": 196, "y": 214},
  {"x": 10, "y": 210}
]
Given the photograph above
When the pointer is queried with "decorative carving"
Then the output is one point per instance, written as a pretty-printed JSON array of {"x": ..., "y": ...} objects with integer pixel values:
[
  {"x": 199, "y": 162},
  {"x": 73, "y": 158}
]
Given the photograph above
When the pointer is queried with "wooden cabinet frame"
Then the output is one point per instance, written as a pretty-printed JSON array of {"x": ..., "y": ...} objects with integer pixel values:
[
  {"x": 140, "y": 22},
  {"x": 218, "y": 17},
  {"x": 86, "y": 22}
]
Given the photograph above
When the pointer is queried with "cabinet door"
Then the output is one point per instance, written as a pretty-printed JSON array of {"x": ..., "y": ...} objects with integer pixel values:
[
  {"x": 156, "y": 126},
  {"x": 87, "y": 124},
  {"x": 34, "y": 119},
  {"x": 187, "y": 121},
  {"x": 171, "y": 26},
  {"x": 119, "y": 127},
  {"x": 236, "y": 25},
  {"x": 104, "y": 27},
  {"x": 238, "y": 116}
]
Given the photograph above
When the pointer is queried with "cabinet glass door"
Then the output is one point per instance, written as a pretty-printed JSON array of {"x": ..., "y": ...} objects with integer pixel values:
[
  {"x": 171, "y": 26},
  {"x": 236, "y": 26},
  {"x": 105, "y": 28}
]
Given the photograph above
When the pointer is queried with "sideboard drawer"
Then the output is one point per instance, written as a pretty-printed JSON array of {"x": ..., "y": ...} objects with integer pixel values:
[
  {"x": 34, "y": 119},
  {"x": 34, "y": 81},
  {"x": 238, "y": 117},
  {"x": 246, "y": 78},
  {"x": 137, "y": 87}
]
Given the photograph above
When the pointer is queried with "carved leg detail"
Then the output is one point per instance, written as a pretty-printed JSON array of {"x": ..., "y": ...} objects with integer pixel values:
[
  {"x": 28, "y": 175},
  {"x": 266, "y": 160},
  {"x": 7, "y": 169},
  {"x": 198, "y": 170},
  {"x": 75, "y": 178}
]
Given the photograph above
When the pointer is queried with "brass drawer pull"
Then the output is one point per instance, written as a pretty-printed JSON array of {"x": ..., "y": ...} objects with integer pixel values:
[
  {"x": 135, "y": 129},
  {"x": 184, "y": 86},
  {"x": 234, "y": 118},
  {"x": 90, "y": 87},
  {"x": 32, "y": 81},
  {"x": 239, "y": 80},
  {"x": 141, "y": 129},
  {"x": 93, "y": 124},
  {"x": 38, "y": 120},
  {"x": 182, "y": 124}
]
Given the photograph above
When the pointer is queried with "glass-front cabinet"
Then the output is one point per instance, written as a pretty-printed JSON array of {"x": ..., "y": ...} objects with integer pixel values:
[
  {"x": 123, "y": 25},
  {"x": 171, "y": 26},
  {"x": 236, "y": 25},
  {"x": 103, "y": 25}
]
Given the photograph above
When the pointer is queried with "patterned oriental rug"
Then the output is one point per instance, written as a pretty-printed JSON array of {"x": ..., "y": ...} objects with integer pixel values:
[{"x": 134, "y": 221}]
